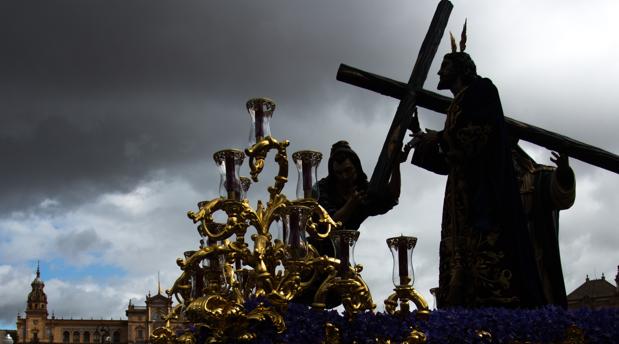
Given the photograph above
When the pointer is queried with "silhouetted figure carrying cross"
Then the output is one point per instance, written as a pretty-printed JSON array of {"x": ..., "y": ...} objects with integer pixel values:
[{"x": 486, "y": 256}]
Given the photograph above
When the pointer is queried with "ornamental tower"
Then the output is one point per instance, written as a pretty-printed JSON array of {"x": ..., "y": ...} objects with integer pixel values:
[
  {"x": 37, "y": 300},
  {"x": 36, "y": 312}
]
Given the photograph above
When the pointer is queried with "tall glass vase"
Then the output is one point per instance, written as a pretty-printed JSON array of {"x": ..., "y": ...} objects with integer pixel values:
[
  {"x": 307, "y": 162},
  {"x": 295, "y": 219},
  {"x": 345, "y": 241},
  {"x": 402, "y": 252},
  {"x": 260, "y": 110},
  {"x": 229, "y": 162}
]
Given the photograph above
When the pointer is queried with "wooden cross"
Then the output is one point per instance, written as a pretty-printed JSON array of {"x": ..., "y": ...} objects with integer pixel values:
[
  {"x": 413, "y": 94},
  {"x": 408, "y": 102}
]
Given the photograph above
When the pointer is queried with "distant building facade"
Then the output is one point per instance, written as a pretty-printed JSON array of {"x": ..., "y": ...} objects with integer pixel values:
[
  {"x": 596, "y": 293},
  {"x": 7, "y": 336},
  {"x": 38, "y": 327}
]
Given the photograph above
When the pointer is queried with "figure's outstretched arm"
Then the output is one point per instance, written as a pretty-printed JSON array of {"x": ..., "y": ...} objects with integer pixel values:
[
  {"x": 562, "y": 182},
  {"x": 429, "y": 153},
  {"x": 395, "y": 182}
]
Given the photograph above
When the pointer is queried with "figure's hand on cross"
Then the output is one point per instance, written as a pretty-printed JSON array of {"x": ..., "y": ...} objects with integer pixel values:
[
  {"x": 414, "y": 125},
  {"x": 405, "y": 151},
  {"x": 560, "y": 159},
  {"x": 565, "y": 175},
  {"x": 429, "y": 136}
]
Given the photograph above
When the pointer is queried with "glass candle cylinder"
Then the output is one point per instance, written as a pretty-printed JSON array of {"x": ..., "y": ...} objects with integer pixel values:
[
  {"x": 232, "y": 271},
  {"x": 345, "y": 241},
  {"x": 214, "y": 262},
  {"x": 402, "y": 252},
  {"x": 260, "y": 111},
  {"x": 295, "y": 219},
  {"x": 229, "y": 162},
  {"x": 244, "y": 280},
  {"x": 279, "y": 229},
  {"x": 196, "y": 279},
  {"x": 307, "y": 162},
  {"x": 245, "y": 184},
  {"x": 213, "y": 266}
]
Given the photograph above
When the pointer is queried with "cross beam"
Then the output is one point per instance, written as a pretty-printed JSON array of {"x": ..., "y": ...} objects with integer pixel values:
[
  {"x": 436, "y": 102},
  {"x": 408, "y": 100}
]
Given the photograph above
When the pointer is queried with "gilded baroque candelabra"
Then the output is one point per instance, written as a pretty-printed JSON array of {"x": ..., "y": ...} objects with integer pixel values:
[
  {"x": 219, "y": 278},
  {"x": 403, "y": 277}
]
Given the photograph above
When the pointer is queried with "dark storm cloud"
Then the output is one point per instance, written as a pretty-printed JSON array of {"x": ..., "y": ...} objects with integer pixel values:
[
  {"x": 222, "y": 49},
  {"x": 95, "y": 95}
]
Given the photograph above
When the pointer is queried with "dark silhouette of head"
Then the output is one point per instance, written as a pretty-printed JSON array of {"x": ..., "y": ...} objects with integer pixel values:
[
  {"x": 343, "y": 155},
  {"x": 456, "y": 64}
]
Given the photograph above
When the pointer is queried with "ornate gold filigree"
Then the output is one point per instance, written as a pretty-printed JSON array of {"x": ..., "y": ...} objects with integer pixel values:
[
  {"x": 349, "y": 285},
  {"x": 405, "y": 294},
  {"x": 236, "y": 154},
  {"x": 332, "y": 334},
  {"x": 485, "y": 336},
  {"x": 218, "y": 279},
  {"x": 307, "y": 155},
  {"x": 162, "y": 335},
  {"x": 240, "y": 216},
  {"x": 320, "y": 224},
  {"x": 415, "y": 337},
  {"x": 257, "y": 154},
  {"x": 266, "y": 104},
  {"x": 181, "y": 288},
  {"x": 227, "y": 320}
]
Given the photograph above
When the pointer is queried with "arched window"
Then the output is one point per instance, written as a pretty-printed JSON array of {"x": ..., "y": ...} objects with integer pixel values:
[
  {"x": 76, "y": 337},
  {"x": 65, "y": 337},
  {"x": 140, "y": 331},
  {"x": 105, "y": 337},
  {"x": 116, "y": 337},
  {"x": 96, "y": 337},
  {"x": 86, "y": 337}
]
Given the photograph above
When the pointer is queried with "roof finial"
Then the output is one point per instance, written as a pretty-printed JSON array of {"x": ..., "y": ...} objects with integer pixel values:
[
  {"x": 38, "y": 270},
  {"x": 158, "y": 284}
]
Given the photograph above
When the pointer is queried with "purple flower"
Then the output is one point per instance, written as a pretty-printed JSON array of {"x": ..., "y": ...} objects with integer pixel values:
[{"x": 457, "y": 325}]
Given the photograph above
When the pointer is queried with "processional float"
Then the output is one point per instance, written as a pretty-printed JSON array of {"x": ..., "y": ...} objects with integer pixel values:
[{"x": 226, "y": 273}]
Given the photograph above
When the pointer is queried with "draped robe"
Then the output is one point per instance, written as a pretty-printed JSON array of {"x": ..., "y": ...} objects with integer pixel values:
[
  {"x": 543, "y": 195},
  {"x": 486, "y": 256}
]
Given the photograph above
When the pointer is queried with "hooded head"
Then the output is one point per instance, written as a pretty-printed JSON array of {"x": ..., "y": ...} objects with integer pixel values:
[{"x": 345, "y": 166}]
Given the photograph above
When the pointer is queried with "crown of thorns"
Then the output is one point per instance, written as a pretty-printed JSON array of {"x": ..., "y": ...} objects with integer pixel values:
[{"x": 454, "y": 48}]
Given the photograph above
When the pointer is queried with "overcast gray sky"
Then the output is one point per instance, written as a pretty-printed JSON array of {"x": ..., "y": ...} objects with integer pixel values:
[{"x": 110, "y": 112}]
